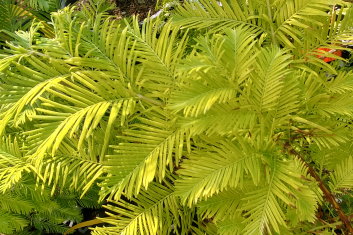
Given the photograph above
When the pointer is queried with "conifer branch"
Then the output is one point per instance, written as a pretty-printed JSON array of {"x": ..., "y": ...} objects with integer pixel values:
[{"x": 327, "y": 194}]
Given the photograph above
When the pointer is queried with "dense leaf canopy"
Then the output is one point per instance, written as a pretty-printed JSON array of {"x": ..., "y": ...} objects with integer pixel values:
[{"x": 217, "y": 117}]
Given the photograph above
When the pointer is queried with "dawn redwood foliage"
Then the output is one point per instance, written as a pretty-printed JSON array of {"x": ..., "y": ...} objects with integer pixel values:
[{"x": 223, "y": 117}]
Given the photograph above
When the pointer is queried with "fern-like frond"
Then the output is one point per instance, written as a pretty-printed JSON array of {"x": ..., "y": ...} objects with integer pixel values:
[
  {"x": 12, "y": 203},
  {"x": 330, "y": 158},
  {"x": 288, "y": 102},
  {"x": 48, "y": 226},
  {"x": 223, "y": 119},
  {"x": 336, "y": 105},
  {"x": 28, "y": 208},
  {"x": 264, "y": 206},
  {"x": 29, "y": 96},
  {"x": 292, "y": 16},
  {"x": 147, "y": 150},
  {"x": 13, "y": 16},
  {"x": 214, "y": 78},
  {"x": 154, "y": 211},
  {"x": 268, "y": 78},
  {"x": 339, "y": 30},
  {"x": 159, "y": 47},
  {"x": 342, "y": 176},
  {"x": 28, "y": 77},
  {"x": 93, "y": 9},
  {"x": 12, "y": 164},
  {"x": 198, "y": 98},
  {"x": 10, "y": 223},
  {"x": 16, "y": 16},
  {"x": 342, "y": 83},
  {"x": 330, "y": 31},
  {"x": 74, "y": 172},
  {"x": 308, "y": 196},
  {"x": 318, "y": 132},
  {"x": 215, "y": 168},
  {"x": 98, "y": 45},
  {"x": 218, "y": 15},
  {"x": 231, "y": 226},
  {"x": 90, "y": 117},
  {"x": 333, "y": 94},
  {"x": 221, "y": 206}
]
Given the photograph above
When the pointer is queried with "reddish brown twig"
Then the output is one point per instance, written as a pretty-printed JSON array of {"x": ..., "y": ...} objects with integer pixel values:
[{"x": 328, "y": 195}]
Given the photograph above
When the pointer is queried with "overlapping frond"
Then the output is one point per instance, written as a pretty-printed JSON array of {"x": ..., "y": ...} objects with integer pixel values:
[
  {"x": 101, "y": 44},
  {"x": 75, "y": 172},
  {"x": 231, "y": 226},
  {"x": 13, "y": 17},
  {"x": 338, "y": 99},
  {"x": 283, "y": 21},
  {"x": 342, "y": 83},
  {"x": 216, "y": 78},
  {"x": 15, "y": 204},
  {"x": 223, "y": 120},
  {"x": 219, "y": 15},
  {"x": 17, "y": 16},
  {"x": 272, "y": 69},
  {"x": 293, "y": 16},
  {"x": 264, "y": 205},
  {"x": 154, "y": 211},
  {"x": 221, "y": 89},
  {"x": 342, "y": 176},
  {"x": 25, "y": 207},
  {"x": 322, "y": 132},
  {"x": 160, "y": 50},
  {"x": 327, "y": 99},
  {"x": 308, "y": 195},
  {"x": 27, "y": 76},
  {"x": 214, "y": 168},
  {"x": 10, "y": 223},
  {"x": 222, "y": 206},
  {"x": 332, "y": 34},
  {"x": 69, "y": 105},
  {"x": 12, "y": 164},
  {"x": 148, "y": 149},
  {"x": 90, "y": 116},
  {"x": 339, "y": 30},
  {"x": 65, "y": 118}
]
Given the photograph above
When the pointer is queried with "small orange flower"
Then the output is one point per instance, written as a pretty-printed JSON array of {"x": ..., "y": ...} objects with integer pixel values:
[{"x": 329, "y": 50}]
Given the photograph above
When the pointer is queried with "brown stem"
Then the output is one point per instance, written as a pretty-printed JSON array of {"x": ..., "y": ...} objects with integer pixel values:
[{"x": 328, "y": 195}]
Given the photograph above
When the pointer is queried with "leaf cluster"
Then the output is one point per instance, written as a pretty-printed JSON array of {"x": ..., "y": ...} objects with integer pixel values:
[{"x": 205, "y": 123}]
